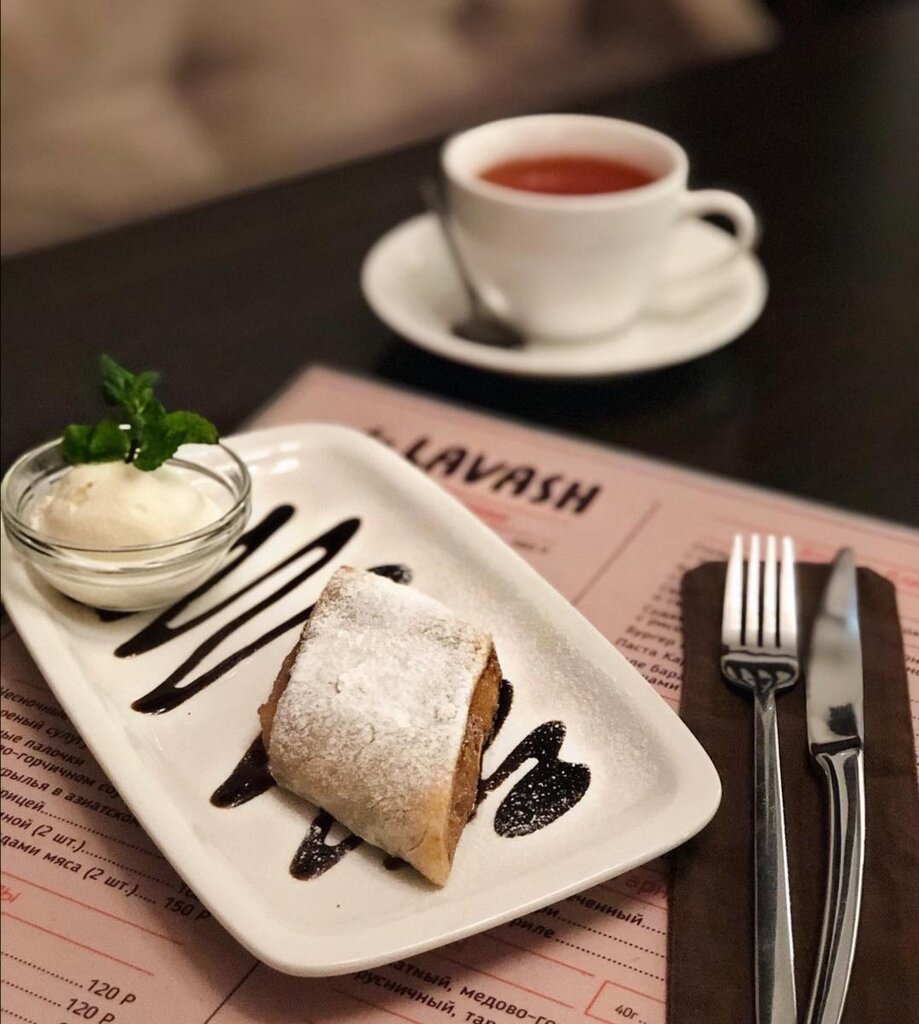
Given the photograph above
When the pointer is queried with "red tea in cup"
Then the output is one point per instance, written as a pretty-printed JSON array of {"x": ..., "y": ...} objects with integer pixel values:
[{"x": 568, "y": 174}]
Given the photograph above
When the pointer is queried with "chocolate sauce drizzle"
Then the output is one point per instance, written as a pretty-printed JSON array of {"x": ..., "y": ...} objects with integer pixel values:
[
  {"x": 315, "y": 856},
  {"x": 396, "y": 573},
  {"x": 249, "y": 779}
]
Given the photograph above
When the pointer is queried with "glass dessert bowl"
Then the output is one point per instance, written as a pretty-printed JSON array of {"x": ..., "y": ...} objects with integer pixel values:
[{"x": 126, "y": 577}]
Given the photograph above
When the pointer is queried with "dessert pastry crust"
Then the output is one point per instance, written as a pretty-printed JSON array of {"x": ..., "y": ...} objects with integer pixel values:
[{"x": 379, "y": 714}]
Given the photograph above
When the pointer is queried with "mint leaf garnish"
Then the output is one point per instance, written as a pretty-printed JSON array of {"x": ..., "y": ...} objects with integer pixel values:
[
  {"x": 132, "y": 393},
  {"x": 164, "y": 435},
  {"x": 145, "y": 435},
  {"x": 104, "y": 442},
  {"x": 191, "y": 428}
]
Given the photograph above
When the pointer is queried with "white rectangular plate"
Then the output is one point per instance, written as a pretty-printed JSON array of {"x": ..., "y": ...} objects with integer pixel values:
[{"x": 651, "y": 786}]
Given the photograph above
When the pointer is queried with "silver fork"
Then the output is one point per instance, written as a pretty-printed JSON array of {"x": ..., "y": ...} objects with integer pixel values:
[{"x": 759, "y": 653}]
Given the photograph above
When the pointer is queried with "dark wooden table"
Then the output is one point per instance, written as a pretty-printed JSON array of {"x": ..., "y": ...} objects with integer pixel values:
[{"x": 819, "y": 398}]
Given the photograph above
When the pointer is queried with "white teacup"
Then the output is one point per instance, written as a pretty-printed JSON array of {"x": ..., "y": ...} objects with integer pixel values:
[{"x": 563, "y": 267}]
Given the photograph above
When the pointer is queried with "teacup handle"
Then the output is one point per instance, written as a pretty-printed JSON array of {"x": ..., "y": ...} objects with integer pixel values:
[{"x": 736, "y": 210}]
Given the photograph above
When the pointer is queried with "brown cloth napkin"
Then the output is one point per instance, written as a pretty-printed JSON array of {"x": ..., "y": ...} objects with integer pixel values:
[{"x": 711, "y": 904}]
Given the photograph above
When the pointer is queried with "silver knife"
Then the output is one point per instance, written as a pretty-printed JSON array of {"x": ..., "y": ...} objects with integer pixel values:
[{"x": 836, "y": 734}]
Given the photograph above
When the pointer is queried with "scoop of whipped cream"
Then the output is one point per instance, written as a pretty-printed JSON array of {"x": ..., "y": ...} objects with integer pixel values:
[{"x": 112, "y": 504}]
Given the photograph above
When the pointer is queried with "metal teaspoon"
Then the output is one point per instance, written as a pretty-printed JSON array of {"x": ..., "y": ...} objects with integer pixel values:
[{"x": 481, "y": 326}]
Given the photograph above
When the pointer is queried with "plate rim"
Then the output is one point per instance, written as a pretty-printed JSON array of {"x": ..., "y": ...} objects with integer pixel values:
[{"x": 164, "y": 823}]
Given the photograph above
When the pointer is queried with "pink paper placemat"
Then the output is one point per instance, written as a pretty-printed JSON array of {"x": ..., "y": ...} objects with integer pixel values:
[{"x": 97, "y": 926}]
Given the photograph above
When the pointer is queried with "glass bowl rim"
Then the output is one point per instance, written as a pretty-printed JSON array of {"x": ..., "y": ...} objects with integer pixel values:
[{"x": 62, "y": 548}]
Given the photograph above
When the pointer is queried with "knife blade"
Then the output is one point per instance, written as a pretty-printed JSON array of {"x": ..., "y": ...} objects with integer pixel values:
[
  {"x": 835, "y": 697},
  {"x": 836, "y": 735}
]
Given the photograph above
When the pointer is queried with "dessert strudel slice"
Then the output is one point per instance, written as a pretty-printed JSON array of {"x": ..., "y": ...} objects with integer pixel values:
[{"x": 379, "y": 715}]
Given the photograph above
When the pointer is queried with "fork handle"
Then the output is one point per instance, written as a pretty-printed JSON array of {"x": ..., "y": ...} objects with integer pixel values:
[{"x": 775, "y": 976}]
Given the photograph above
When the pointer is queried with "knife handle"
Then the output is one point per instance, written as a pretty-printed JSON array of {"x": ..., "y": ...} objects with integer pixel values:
[
  {"x": 844, "y": 770},
  {"x": 775, "y": 973}
]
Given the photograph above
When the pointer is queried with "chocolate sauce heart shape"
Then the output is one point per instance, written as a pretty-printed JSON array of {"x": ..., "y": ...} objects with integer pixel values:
[
  {"x": 549, "y": 789},
  {"x": 545, "y": 793}
]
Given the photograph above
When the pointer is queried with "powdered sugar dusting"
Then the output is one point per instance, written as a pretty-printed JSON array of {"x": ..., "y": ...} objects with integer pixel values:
[{"x": 372, "y": 720}]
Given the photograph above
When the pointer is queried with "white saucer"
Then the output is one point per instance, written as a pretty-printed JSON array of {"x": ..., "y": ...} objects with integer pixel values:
[{"x": 412, "y": 286}]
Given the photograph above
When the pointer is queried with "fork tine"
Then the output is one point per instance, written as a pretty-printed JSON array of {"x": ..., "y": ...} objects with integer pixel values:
[
  {"x": 788, "y": 600},
  {"x": 770, "y": 595},
  {"x": 732, "y": 616},
  {"x": 751, "y": 621}
]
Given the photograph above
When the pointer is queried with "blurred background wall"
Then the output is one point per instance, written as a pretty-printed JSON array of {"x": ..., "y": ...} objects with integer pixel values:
[{"x": 113, "y": 110}]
